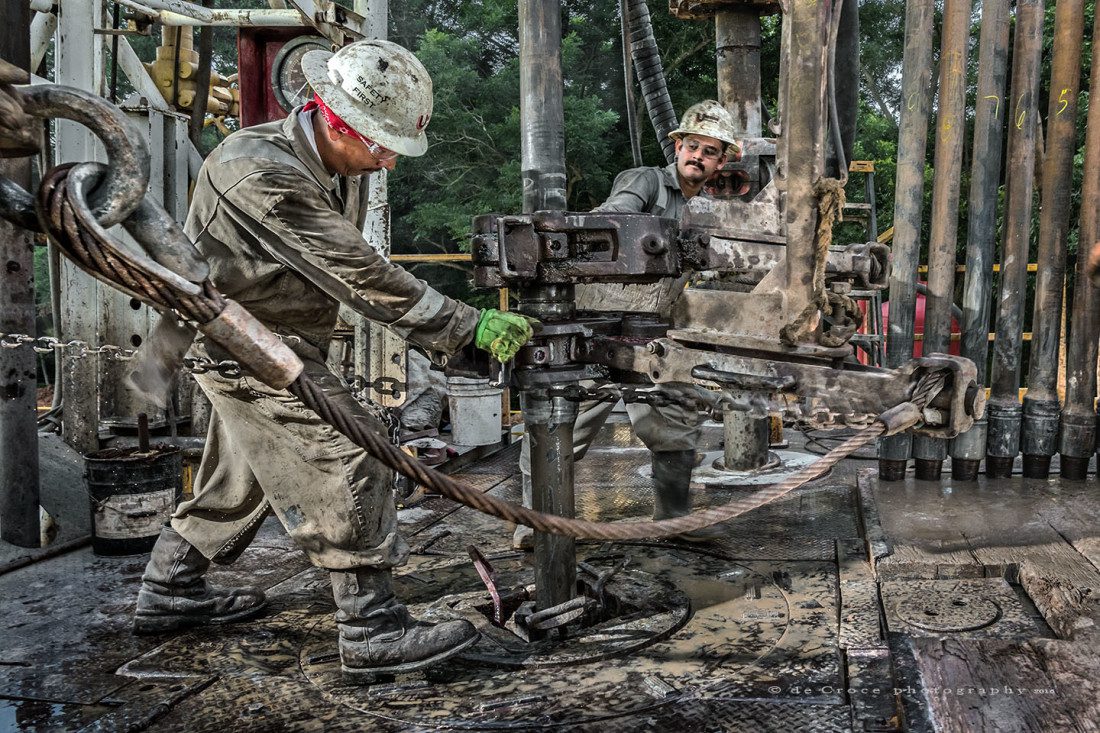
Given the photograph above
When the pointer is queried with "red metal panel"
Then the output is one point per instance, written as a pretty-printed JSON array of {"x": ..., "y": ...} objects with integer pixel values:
[{"x": 256, "y": 49}]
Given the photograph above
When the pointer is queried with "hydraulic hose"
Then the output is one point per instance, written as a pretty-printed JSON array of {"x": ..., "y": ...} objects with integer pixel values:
[{"x": 651, "y": 76}]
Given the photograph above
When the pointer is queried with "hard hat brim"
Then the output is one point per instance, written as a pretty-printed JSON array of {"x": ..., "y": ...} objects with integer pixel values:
[{"x": 315, "y": 68}]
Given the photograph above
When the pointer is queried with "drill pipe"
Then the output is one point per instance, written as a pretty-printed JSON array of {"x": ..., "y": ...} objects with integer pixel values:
[
  {"x": 929, "y": 453},
  {"x": 737, "y": 41},
  {"x": 1040, "y": 423},
  {"x": 1078, "y": 438},
  {"x": 908, "y": 208},
  {"x": 1004, "y": 410},
  {"x": 968, "y": 448},
  {"x": 549, "y": 421}
]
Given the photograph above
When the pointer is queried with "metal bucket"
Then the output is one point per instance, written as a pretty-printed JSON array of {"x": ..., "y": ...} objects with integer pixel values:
[
  {"x": 133, "y": 493},
  {"x": 475, "y": 411}
]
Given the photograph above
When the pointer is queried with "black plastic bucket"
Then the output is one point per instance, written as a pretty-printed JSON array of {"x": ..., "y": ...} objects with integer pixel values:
[{"x": 133, "y": 493}]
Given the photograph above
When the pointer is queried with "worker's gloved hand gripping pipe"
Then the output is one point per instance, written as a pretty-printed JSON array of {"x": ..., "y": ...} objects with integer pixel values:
[{"x": 502, "y": 333}]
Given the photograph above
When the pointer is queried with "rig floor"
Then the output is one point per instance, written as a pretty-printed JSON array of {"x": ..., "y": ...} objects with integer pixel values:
[{"x": 849, "y": 606}]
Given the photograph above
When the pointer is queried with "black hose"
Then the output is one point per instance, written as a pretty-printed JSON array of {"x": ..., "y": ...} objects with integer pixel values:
[
  {"x": 651, "y": 76},
  {"x": 834, "y": 115},
  {"x": 628, "y": 86}
]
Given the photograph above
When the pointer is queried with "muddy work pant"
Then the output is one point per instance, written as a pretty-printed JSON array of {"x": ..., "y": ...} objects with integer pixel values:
[
  {"x": 666, "y": 428},
  {"x": 266, "y": 451}
]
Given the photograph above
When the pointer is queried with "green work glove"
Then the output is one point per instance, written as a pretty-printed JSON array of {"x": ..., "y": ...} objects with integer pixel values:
[{"x": 502, "y": 333}]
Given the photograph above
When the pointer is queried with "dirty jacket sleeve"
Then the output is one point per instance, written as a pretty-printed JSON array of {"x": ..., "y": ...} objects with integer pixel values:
[
  {"x": 634, "y": 190},
  {"x": 305, "y": 234}
]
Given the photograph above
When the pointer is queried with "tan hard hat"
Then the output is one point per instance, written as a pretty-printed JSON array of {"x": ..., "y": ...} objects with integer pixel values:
[
  {"x": 708, "y": 118},
  {"x": 380, "y": 89}
]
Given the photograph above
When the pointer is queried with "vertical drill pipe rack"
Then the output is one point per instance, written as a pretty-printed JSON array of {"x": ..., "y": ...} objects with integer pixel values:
[
  {"x": 1039, "y": 437},
  {"x": 549, "y": 419},
  {"x": 19, "y": 487},
  {"x": 1078, "y": 437},
  {"x": 968, "y": 449},
  {"x": 1004, "y": 411},
  {"x": 929, "y": 453},
  {"x": 908, "y": 208}
]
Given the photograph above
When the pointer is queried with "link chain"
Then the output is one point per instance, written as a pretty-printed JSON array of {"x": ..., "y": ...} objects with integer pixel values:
[{"x": 227, "y": 368}]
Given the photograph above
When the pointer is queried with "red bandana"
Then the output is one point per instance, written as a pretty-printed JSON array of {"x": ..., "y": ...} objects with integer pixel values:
[{"x": 334, "y": 120}]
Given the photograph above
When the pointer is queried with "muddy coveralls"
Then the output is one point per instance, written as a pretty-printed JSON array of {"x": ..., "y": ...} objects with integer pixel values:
[
  {"x": 283, "y": 238},
  {"x": 664, "y": 430}
]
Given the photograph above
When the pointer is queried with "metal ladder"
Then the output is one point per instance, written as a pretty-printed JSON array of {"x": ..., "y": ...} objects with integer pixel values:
[{"x": 873, "y": 341}]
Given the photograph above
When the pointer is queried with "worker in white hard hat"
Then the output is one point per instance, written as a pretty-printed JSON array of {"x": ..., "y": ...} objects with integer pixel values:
[
  {"x": 704, "y": 139},
  {"x": 277, "y": 212}
]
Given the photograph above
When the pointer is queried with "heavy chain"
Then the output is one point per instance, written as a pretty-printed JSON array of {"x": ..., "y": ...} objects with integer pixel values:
[{"x": 226, "y": 368}]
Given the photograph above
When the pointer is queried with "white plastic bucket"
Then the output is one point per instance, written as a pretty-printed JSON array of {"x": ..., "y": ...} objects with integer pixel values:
[{"x": 475, "y": 411}]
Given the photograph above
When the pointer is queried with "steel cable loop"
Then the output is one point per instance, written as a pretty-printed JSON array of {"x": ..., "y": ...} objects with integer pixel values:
[
  {"x": 65, "y": 214},
  {"x": 313, "y": 397},
  {"x": 126, "y": 180}
]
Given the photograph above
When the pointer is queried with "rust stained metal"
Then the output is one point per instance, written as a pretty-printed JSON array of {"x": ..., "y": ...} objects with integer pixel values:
[
  {"x": 1078, "y": 438},
  {"x": 1005, "y": 410},
  {"x": 929, "y": 453},
  {"x": 1039, "y": 440}
]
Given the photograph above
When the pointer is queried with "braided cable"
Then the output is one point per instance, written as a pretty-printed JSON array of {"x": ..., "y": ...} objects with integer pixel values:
[{"x": 370, "y": 439}]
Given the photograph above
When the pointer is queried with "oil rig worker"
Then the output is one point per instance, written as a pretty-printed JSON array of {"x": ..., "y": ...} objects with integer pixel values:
[
  {"x": 277, "y": 212},
  {"x": 703, "y": 141}
]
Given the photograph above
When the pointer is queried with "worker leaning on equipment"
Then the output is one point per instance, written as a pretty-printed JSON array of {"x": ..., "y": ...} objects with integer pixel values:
[
  {"x": 703, "y": 139},
  {"x": 277, "y": 212}
]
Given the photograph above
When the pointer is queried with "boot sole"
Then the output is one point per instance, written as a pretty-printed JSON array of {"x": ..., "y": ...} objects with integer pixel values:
[
  {"x": 360, "y": 673},
  {"x": 147, "y": 625}
]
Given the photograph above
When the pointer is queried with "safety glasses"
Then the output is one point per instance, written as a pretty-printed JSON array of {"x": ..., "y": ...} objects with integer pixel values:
[
  {"x": 381, "y": 154},
  {"x": 708, "y": 151}
]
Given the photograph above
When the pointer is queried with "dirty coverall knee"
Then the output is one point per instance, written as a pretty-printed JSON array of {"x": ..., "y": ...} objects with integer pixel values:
[{"x": 267, "y": 451}]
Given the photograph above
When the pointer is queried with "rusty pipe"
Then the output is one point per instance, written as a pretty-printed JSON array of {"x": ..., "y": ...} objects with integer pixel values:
[
  {"x": 1004, "y": 411},
  {"x": 916, "y": 82},
  {"x": 929, "y": 453},
  {"x": 1039, "y": 439},
  {"x": 968, "y": 449},
  {"x": 737, "y": 48},
  {"x": 19, "y": 479},
  {"x": 1078, "y": 437}
]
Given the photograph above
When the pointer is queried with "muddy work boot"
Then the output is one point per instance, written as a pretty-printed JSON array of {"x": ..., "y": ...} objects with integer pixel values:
[
  {"x": 378, "y": 635},
  {"x": 672, "y": 493},
  {"x": 524, "y": 537},
  {"x": 174, "y": 595}
]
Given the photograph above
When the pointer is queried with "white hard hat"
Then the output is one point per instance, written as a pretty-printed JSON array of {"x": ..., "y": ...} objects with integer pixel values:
[
  {"x": 708, "y": 118},
  {"x": 380, "y": 89}
]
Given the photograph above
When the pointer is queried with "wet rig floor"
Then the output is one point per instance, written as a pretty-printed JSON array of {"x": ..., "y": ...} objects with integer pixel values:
[{"x": 849, "y": 606}]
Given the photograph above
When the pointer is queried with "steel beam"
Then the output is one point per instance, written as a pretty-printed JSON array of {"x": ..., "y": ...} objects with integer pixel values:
[
  {"x": 968, "y": 449},
  {"x": 1078, "y": 437},
  {"x": 79, "y": 63},
  {"x": 1005, "y": 411},
  {"x": 1039, "y": 439},
  {"x": 801, "y": 158},
  {"x": 916, "y": 85},
  {"x": 19, "y": 495}
]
